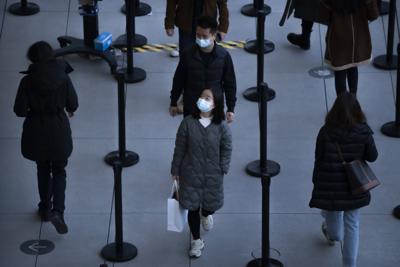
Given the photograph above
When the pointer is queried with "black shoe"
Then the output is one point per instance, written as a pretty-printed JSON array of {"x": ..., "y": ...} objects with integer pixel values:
[
  {"x": 57, "y": 219},
  {"x": 299, "y": 40},
  {"x": 44, "y": 215}
]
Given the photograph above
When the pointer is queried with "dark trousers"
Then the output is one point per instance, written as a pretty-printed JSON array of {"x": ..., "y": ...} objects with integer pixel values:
[
  {"x": 186, "y": 39},
  {"x": 194, "y": 221},
  {"x": 351, "y": 75},
  {"x": 306, "y": 28},
  {"x": 52, "y": 184}
]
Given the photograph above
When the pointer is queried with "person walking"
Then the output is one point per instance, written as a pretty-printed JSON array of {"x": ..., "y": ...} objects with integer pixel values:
[
  {"x": 345, "y": 127},
  {"x": 184, "y": 14},
  {"x": 348, "y": 39},
  {"x": 201, "y": 158},
  {"x": 44, "y": 97},
  {"x": 204, "y": 65}
]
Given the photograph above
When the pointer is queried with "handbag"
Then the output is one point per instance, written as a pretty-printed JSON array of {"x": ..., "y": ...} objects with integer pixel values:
[
  {"x": 360, "y": 176},
  {"x": 176, "y": 215}
]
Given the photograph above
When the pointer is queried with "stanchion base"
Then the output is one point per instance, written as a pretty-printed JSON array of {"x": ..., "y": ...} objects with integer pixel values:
[
  {"x": 384, "y": 8},
  {"x": 381, "y": 62},
  {"x": 72, "y": 45},
  {"x": 131, "y": 158},
  {"x": 252, "y": 48},
  {"x": 250, "y": 11},
  {"x": 253, "y": 169},
  {"x": 138, "y": 41},
  {"x": 391, "y": 129},
  {"x": 396, "y": 212},
  {"x": 252, "y": 95},
  {"x": 110, "y": 253},
  {"x": 19, "y": 10},
  {"x": 143, "y": 10},
  {"x": 258, "y": 263},
  {"x": 136, "y": 76}
]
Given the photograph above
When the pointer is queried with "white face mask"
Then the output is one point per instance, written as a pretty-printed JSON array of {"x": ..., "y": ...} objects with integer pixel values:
[
  {"x": 203, "y": 43},
  {"x": 204, "y": 105}
]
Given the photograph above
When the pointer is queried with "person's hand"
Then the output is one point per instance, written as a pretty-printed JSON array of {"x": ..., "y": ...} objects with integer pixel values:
[
  {"x": 175, "y": 177},
  {"x": 169, "y": 32},
  {"x": 173, "y": 110},
  {"x": 230, "y": 116},
  {"x": 222, "y": 35},
  {"x": 70, "y": 114}
]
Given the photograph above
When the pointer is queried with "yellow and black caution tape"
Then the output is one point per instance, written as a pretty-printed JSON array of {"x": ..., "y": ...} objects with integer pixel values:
[{"x": 168, "y": 47}]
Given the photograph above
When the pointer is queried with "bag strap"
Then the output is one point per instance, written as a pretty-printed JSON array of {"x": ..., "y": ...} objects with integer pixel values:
[
  {"x": 175, "y": 189},
  {"x": 339, "y": 151}
]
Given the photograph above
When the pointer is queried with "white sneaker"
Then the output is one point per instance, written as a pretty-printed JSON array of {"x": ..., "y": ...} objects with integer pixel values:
[
  {"x": 174, "y": 53},
  {"x": 195, "y": 248},
  {"x": 207, "y": 222}
]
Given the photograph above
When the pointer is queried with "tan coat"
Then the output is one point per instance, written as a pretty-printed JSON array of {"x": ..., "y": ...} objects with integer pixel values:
[
  {"x": 348, "y": 40},
  {"x": 180, "y": 13}
]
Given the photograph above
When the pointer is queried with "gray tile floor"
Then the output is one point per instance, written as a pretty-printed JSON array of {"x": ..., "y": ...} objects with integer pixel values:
[{"x": 294, "y": 119}]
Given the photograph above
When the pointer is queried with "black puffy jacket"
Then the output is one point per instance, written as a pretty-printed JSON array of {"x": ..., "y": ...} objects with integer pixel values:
[
  {"x": 192, "y": 76},
  {"x": 331, "y": 190},
  {"x": 42, "y": 97}
]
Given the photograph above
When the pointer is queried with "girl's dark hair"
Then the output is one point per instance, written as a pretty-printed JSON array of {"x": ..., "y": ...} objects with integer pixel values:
[
  {"x": 207, "y": 22},
  {"x": 346, "y": 112},
  {"x": 218, "y": 111},
  {"x": 345, "y": 7},
  {"x": 39, "y": 52}
]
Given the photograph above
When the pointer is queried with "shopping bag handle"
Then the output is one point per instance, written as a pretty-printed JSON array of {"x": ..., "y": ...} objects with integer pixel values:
[{"x": 175, "y": 189}]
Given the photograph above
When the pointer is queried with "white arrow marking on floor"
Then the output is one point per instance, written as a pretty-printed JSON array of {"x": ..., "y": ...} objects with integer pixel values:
[{"x": 36, "y": 247}]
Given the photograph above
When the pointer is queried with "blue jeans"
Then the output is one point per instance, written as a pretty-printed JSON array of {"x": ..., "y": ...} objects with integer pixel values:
[
  {"x": 186, "y": 39},
  {"x": 344, "y": 226}
]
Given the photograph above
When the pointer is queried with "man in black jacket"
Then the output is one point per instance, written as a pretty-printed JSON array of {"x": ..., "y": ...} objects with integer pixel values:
[{"x": 205, "y": 65}]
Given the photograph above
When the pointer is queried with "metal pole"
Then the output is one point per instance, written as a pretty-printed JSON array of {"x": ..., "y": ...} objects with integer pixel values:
[
  {"x": 260, "y": 45},
  {"x": 121, "y": 118},
  {"x": 130, "y": 33},
  {"x": 118, "y": 207},
  {"x": 24, "y": 3},
  {"x": 388, "y": 61}
]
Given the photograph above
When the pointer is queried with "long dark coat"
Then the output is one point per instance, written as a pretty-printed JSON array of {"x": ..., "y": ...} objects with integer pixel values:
[
  {"x": 348, "y": 40},
  {"x": 331, "y": 190},
  {"x": 43, "y": 97},
  {"x": 201, "y": 158}
]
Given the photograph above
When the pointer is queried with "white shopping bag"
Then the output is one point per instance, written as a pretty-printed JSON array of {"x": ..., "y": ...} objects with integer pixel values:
[{"x": 177, "y": 216}]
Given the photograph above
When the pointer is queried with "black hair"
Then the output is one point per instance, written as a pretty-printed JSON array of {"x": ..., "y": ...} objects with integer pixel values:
[
  {"x": 346, "y": 112},
  {"x": 39, "y": 52},
  {"x": 207, "y": 22},
  {"x": 346, "y": 7},
  {"x": 218, "y": 111}
]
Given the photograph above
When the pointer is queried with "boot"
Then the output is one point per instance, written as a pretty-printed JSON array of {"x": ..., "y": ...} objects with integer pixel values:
[{"x": 300, "y": 40}]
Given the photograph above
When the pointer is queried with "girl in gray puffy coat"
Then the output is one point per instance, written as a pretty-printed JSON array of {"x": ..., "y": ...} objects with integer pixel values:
[{"x": 202, "y": 155}]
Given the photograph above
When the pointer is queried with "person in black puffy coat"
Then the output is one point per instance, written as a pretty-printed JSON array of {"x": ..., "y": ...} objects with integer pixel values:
[
  {"x": 44, "y": 97},
  {"x": 346, "y": 126}
]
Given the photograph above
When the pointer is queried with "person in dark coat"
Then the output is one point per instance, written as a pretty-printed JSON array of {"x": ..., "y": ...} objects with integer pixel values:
[
  {"x": 44, "y": 96},
  {"x": 308, "y": 12},
  {"x": 348, "y": 40},
  {"x": 184, "y": 13},
  {"x": 202, "y": 156},
  {"x": 345, "y": 126},
  {"x": 204, "y": 65}
]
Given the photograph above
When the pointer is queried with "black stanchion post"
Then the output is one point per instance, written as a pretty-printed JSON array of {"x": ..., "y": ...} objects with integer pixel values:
[
  {"x": 252, "y": 45},
  {"x": 263, "y": 167},
  {"x": 23, "y": 8},
  {"x": 250, "y": 10},
  {"x": 388, "y": 61},
  {"x": 251, "y": 93},
  {"x": 118, "y": 251},
  {"x": 132, "y": 74},
  {"x": 383, "y": 7},
  {"x": 392, "y": 129},
  {"x": 137, "y": 39},
  {"x": 142, "y": 9},
  {"x": 127, "y": 158}
]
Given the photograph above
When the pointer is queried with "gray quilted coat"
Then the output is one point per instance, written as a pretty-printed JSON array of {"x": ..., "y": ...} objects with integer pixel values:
[{"x": 201, "y": 158}]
